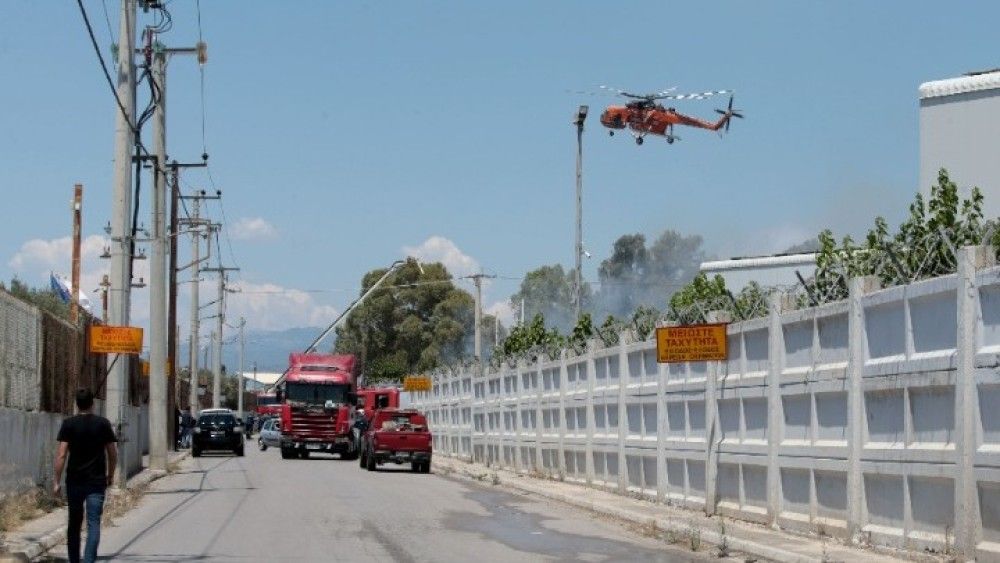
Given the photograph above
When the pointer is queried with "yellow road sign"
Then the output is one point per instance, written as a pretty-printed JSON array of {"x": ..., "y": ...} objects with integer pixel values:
[
  {"x": 694, "y": 343},
  {"x": 416, "y": 383},
  {"x": 115, "y": 339}
]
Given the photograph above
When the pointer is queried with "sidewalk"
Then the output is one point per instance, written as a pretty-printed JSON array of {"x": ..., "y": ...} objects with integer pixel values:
[
  {"x": 42, "y": 534},
  {"x": 678, "y": 524}
]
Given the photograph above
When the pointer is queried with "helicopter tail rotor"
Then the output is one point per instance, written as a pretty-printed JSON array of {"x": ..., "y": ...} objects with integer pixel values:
[{"x": 729, "y": 113}]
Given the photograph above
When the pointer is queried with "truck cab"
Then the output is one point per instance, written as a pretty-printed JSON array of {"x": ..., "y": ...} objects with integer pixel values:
[{"x": 317, "y": 406}]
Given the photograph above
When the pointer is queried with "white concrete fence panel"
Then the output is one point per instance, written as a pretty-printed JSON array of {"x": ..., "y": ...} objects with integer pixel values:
[{"x": 875, "y": 419}]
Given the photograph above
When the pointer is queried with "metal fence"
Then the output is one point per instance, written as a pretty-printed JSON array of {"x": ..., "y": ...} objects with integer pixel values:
[{"x": 875, "y": 418}]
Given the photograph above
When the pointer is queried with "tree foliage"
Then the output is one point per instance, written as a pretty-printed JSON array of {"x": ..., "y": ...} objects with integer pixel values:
[
  {"x": 548, "y": 291},
  {"x": 923, "y": 246},
  {"x": 693, "y": 303},
  {"x": 635, "y": 276},
  {"x": 413, "y": 323}
]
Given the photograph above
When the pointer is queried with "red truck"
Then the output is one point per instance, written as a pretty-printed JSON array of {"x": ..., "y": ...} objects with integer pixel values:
[
  {"x": 317, "y": 405},
  {"x": 400, "y": 436},
  {"x": 267, "y": 404}
]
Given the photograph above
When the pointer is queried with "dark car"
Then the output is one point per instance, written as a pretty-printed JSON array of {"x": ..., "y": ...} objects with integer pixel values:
[{"x": 217, "y": 430}]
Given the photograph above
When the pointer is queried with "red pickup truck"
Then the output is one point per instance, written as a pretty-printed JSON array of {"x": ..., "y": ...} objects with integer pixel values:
[{"x": 399, "y": 436}]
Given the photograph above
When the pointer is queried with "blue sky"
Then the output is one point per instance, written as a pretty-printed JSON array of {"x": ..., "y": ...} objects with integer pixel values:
[{"x": 342, "y": 133}]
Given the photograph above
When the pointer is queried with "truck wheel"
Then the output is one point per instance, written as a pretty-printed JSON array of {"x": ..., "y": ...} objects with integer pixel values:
[
  {"x": 287, "y": 454},
  {"x": 416, "y": 467},
  {"x": 195, "y": 452},
  {"x": 304, "y": 454},
  {"x": 370, "y": 462},
  {"x": 239, "y": 451},
  {"x": 363, "y": 458},
  {"x": 425, "y": 467}
]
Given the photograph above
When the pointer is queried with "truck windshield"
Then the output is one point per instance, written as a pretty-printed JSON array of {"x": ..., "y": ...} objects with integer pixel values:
[{"x": 316, "y": 394}]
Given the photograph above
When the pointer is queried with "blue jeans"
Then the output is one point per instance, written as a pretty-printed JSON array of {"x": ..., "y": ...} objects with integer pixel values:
[{"x": 79, "y": 497}]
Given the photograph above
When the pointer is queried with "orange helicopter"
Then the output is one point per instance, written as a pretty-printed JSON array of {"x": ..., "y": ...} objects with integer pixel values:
[{"x": 645, "y": 116}]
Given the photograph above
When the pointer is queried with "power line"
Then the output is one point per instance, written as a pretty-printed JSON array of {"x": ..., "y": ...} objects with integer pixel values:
[
  {"x": 201, "y": 70},
  {"x": 107, "y": 19},
  {"x": 136, "y": 132}
]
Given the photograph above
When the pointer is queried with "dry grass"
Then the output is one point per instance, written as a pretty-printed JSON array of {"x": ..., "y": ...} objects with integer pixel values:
[
  {"x": 118, "y": 502},
  {"x": 19, "y": 508}
]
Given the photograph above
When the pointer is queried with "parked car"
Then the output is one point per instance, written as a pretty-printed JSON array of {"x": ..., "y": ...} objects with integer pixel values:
[
  {"x": 217, "y": 429},
  {"x": 270, "y": 434}
]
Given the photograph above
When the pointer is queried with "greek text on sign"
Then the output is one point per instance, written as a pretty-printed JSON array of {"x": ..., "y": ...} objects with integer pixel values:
[
  {"x": 115, "y": 339},
  {"x": 694, "y": 343},
  {"x": 416, "y": 383}
]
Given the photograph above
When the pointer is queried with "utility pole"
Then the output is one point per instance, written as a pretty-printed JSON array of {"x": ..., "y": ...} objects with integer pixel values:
[
  {"x": 239, "y": 386},
  {"x": 220, "y": 319},
  {"x": 195, "y": 223},
  {"x": 581, "y": 115},
  {"x": 478, "y": 280},
  {"x": 195, "y": 311},
  {"x": 74, "y": 307},
  {"x": 121, "y": 224},
  {"x": 216, "y": 388},
  {"x": 158, "y": 326}
]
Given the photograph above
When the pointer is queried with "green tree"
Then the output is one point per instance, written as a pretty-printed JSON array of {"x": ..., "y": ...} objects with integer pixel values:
[
  {"x": 923, "y": 246},
  {"x": 413, "y": 323},
  {"x": 635, "y": 276},
  {"x": 548, "y": 291}
]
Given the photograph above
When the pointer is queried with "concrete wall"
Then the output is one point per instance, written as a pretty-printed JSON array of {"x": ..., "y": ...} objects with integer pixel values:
[
  {"x": 871, "y": 419},
  {"x": 28, "y": 441}
]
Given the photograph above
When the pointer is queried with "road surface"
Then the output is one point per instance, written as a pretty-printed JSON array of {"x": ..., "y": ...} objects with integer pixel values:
[{"x": 263, "y": 508}]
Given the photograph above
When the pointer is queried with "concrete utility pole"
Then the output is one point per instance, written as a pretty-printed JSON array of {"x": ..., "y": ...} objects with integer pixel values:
[
  {"x": 121, "y": 225},
  {"x": 74, "y": 307},
  {"x": 216, "y": 361},
  {"x": 158, "y": 327},
  {"x": 239, "y": 386},
  {"x": 220, "y": 319},
  {"x": 581, "y": 115},
  {"x": 478, "y": 280},
  {"x": 195, "y": 223},
  {"x": 195, "y": 311}
]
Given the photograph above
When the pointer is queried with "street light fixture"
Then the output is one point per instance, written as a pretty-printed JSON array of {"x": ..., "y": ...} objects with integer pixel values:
[{"x": 581, "y": 116}]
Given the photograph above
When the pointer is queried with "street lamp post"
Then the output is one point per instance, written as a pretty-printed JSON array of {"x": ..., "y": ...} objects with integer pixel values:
[{"x": 581, "y": 115}]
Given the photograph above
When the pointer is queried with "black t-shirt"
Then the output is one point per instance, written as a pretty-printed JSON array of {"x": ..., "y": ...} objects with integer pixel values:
[{"x": 87, "y": 436}]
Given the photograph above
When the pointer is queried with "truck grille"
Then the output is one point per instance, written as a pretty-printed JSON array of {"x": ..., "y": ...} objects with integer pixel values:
[{"x": 321, "y": 426}]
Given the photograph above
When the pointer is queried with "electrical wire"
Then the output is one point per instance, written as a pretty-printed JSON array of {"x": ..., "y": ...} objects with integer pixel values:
[
  {"x": 201, "y": 70},
  {"x": 111, "y": 85},
  {"x": 107, "y": 19}
]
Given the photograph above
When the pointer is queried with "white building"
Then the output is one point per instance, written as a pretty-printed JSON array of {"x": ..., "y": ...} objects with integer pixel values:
[
  {"x": 767, "y": 271},
  {"x": 260, "y": 381},
  {"x": 959, "y": 125}
]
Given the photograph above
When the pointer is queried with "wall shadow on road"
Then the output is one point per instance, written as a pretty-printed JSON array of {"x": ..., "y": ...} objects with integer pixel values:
[{"x": 525, "y": 532}]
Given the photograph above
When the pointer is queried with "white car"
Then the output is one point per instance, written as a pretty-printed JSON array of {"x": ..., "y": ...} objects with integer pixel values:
[{"x": 270, "y": 434}]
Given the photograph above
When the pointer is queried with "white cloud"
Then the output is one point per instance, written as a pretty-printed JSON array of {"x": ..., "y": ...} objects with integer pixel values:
[
  {"x": 440, "y": 249},
  {"x": 504, "y": 311},
  {"x": 270, "y": 306},
  {"x": 38, "y": 257},
  {"x": 253, "y": 228}
]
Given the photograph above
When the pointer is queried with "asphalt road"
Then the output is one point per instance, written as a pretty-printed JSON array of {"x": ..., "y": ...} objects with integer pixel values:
[{"x": 263, "y": 508}]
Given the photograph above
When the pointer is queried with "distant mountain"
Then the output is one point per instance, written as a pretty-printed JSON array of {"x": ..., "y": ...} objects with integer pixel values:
[{"x": 269, "y": 348}]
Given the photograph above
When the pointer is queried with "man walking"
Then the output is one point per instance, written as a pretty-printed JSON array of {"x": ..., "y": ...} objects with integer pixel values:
[{"x": 90, "y": 442}]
